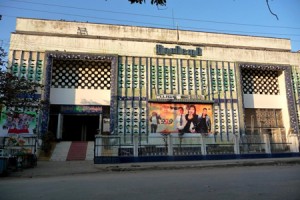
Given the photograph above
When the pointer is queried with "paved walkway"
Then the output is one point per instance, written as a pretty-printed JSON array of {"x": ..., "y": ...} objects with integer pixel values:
[{"x": 62, "y": 168}]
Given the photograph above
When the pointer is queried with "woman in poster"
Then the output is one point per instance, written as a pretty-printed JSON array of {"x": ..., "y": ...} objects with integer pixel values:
[
  {"x": 191, "y": 120},
  {"x": 154, "y": 120}
]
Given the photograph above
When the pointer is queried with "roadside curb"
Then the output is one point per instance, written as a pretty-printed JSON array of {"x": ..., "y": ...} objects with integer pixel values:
[
  {"x": 166, "y": 166},
  {"x": 69, "y": 168}
]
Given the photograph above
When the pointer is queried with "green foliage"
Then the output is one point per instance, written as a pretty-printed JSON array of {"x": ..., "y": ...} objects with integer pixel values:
[
  {"x": 156, "y": 2},
  {"x": 17, "y": 94},
  {"x": 47, "y": 139},
  {"x": 3, "y": 55}
]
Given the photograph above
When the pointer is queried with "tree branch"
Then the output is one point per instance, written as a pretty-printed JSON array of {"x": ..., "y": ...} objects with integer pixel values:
[
  {"x": 156, "y": 2},
  {"x": 271, "y": 10}
]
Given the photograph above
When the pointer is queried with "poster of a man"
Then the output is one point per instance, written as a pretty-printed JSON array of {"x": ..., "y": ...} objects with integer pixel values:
[
  {"x": 180, "y": 120},
  {"x": 203, "y": 123}
]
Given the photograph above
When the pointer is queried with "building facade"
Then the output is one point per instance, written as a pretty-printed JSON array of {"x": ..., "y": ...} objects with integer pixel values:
[{"x": 128, "y": 80}]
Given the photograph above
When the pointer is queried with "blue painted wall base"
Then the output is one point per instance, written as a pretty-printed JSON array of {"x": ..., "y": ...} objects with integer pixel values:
[{"x": 131, "y": 159}]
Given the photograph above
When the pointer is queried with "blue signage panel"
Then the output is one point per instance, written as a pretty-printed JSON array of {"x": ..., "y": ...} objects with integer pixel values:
[{"x": 78, "y": 109}]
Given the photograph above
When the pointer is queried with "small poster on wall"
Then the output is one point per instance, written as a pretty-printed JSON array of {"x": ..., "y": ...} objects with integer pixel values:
[
  {"x": 17, "y": 123},
  {"x": 166, "y": 118}
]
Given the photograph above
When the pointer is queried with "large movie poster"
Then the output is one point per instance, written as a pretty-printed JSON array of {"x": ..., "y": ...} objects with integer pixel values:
[
  {"x": 17, "y": 123},
  {"x": 180, "y": 118}
]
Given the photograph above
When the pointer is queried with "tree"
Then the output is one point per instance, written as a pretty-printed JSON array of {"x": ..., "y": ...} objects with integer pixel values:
[
  {"x": 3, "y": 55},
  {"x": 156, "y": 2},
  {"x": 164, "y": 3},
  {"x": 17, "y": 94}
]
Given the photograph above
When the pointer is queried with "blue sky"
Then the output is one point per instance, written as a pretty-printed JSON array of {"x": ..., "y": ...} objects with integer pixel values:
[{"x": 245, "y": 17}]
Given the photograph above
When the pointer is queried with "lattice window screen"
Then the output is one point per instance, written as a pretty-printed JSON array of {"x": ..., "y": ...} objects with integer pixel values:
[
  {"x": 81, "y": 74},
  {"x": 260, "y": 82}
]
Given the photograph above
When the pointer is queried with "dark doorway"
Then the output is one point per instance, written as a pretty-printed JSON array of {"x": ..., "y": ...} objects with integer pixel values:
[
  {"x": 52, "y": 126},
  {"x": 80, "y": 127}
]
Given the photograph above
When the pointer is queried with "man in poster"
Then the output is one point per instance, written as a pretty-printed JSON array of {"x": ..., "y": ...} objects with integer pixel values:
[
  {"x": 180, "y": 120},
  {"x": 204, "y": 123}
]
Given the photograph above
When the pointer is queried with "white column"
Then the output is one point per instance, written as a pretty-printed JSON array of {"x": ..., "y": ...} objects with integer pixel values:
[
  {"x": 98, "y": 145},
  {"x": 266, "y": 138},
  {"x": 135, "y": 145},
  {"x": 203, "y": 145},
  {"x": 236, "y": 139},
  {"x": 294, "y": 140},
  {"x": 100, "y": 124}
]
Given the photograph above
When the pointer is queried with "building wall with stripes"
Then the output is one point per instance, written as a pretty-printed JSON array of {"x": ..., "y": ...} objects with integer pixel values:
[{"x": 141, "y": 74}]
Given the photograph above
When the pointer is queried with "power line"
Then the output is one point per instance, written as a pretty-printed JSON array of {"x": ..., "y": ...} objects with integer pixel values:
[
  {"x": 77, "y": 15},
  {"x": 152, "y": 24},
  {"x": 157, "y": 16}
]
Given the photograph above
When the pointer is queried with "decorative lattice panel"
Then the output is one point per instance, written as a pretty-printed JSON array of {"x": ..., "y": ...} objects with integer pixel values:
[
  {"x": 296, "y": 84},
  {"x": 81, "y": 74},
  {"x": 231, "y": 79},
  {"x": 263, "y": 118},
  {"x": 204, "y": 78},
  {"x": 121, "y": 115},
  {"x": 29, "y": 69},
  {"x": 173, "y": 78},
  {"x": 184, "y": 78},
  {"x": 213, "y": 80},
  {"x": 128, "y": 119},
  {"x": 143, "y": 118},
  {"x": 132, "y": 76},
  {"x": 260, "y": 82},
  {"x": 217, "y": 120},
  {"x": 235, "y": 120},
  {"x": 142, "y": 79},
  {"x": 160, "y": 78}
]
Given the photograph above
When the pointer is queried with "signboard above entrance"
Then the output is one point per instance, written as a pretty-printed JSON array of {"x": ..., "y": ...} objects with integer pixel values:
[
  {"x": 77, "y": 109},
  {"x": 178, "y": 97},
  {"x": 166, "y": 96},
  {"x": 161, "y": 50}
]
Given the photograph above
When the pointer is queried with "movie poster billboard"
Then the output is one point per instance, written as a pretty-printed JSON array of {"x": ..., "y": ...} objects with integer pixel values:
[
  {"x": 17, "y": 123},
  {"x": 169, "y": 118}
]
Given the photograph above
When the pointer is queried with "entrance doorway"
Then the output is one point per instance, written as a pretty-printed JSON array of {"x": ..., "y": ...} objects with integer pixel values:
[{"x": 80, "y": 127}]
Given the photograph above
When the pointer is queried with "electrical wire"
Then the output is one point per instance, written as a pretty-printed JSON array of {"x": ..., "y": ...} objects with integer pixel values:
[
  {"x": 151, "y": 24},
  {"x": 156, "y": 16}
]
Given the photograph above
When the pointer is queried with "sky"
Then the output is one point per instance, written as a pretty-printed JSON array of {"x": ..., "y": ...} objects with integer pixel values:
[{"x": 243, "y": 17}]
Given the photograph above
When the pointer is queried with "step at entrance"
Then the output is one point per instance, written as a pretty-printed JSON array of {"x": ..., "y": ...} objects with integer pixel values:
[
  {"x": 60, "y": 152},
  {"x": 77, "y": 151}
]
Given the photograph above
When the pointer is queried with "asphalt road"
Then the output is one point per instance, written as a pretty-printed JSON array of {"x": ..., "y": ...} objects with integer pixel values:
[{"x": 255, "y": 183}]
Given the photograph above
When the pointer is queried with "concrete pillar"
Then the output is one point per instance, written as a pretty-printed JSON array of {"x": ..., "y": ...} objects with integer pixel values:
[
  {"x": 98, "y": 145},
  {"x": 294, "y": 140},
  {"x": 135, "y": 145},
  {"x": 59, "y": 126},
  {"x": 100, "y": 124},
  {"x": 236, "y": 141},
  {"x": 266, "y": 138},
  {"x": 203, "y": 145},
  {"x": 170, "y": 145}
]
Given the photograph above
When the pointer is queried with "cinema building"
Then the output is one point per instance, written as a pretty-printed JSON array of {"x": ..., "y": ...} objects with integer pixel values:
[{"x": 128, "y": 80}]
